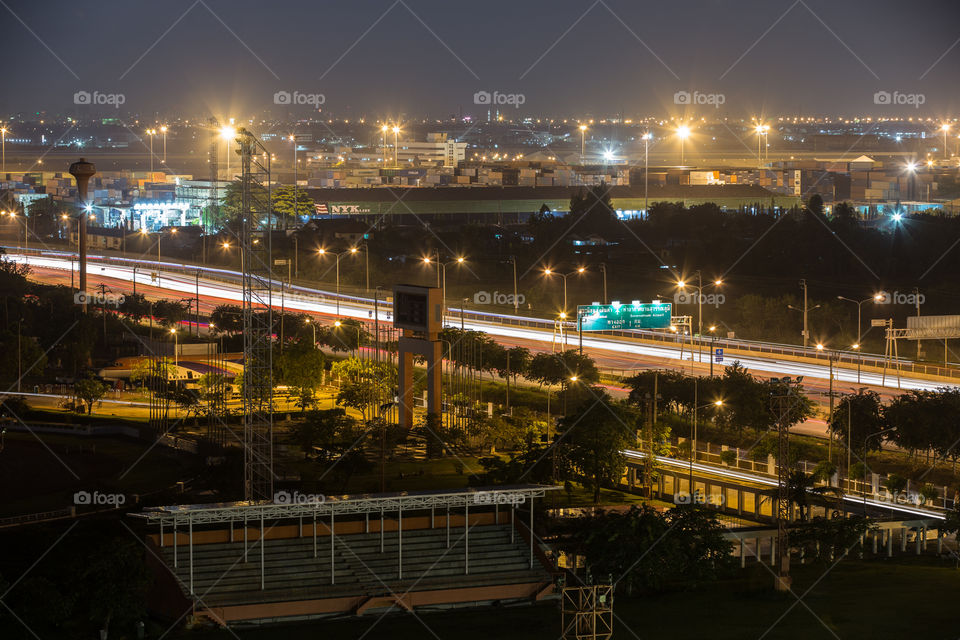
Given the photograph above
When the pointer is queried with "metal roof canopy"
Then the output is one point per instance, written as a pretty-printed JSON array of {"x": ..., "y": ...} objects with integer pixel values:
[{"x": 346, "y": 505}]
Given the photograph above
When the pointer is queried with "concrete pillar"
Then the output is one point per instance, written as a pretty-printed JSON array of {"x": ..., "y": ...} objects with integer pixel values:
[
  {"x": 873, "y": 536},
  {"x": 190, "y": 550},
  {"x": 916, "y": 541},
  {"x": 889, "y": 543},
  {"x": 903, "y": 539},
  {"x": 743, "y": 557},
  {"x": 174, "y": 542},
  {"x": 739, "y": 502},
  {"x": 161, "y": 534},
  {"x": 773, "y": 552},
  {"x": 263, "y": 566}
]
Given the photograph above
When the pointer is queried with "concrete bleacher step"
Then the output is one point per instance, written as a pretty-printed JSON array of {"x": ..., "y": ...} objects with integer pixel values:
[{"x": 291, "y": 571}]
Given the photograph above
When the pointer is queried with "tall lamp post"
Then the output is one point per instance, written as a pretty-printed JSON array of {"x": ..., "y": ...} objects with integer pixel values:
[
  {"x": 383, "y": 140},
  {"x": 82, "y": 171},
  {"x": 693, "y": 430},
  {"x": 516, "y": 301},
  {"x": 683, "y": 132},
  {"x": 163, "y": 130},
  {"x": 151, "y": 133},
  {"x": 323, "y": 252},
  {"x": 681, "y": 285},
  {"x": 3, "y": 141},
  {"x": 945, "y": 128},
  {"x": 443, "y": 286},
  {"x": 564, "y": 276},
  {"x": 583, "y": 141},
  {"x": 646, "y": 171},
  {"x": 603, "y": 273},
  {"x": 396, "y": 146},
  {"x": 876, "y": 298}
]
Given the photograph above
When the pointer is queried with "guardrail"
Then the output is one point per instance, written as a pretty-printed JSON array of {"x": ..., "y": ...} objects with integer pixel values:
[{"x": 453, "y": 314}]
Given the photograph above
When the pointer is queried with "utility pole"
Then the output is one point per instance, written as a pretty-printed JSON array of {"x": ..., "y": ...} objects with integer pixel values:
[
  {"x": 806, "y": 333},
  {"x": 784, "y": 405}
]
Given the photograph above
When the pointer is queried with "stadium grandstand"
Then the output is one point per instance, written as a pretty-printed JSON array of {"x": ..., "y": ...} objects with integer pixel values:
[{"x": 304, "y": 556}]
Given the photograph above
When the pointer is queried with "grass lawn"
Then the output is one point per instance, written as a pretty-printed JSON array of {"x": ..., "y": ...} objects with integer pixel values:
[{"x": 855, "y": 600}]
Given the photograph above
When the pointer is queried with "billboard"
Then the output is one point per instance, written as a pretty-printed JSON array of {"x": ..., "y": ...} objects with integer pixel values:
[{"x": 617, "y": 316}]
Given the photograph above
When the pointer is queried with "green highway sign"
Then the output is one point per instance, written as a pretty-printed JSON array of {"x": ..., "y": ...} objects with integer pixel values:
[{"x": 616, "y": 316}]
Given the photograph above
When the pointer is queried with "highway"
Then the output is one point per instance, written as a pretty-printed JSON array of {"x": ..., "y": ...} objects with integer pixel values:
[{"x": 610, "y": 352}]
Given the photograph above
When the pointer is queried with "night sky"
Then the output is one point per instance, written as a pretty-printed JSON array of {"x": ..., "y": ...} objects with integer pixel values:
[{"x": 410, "y": 58}]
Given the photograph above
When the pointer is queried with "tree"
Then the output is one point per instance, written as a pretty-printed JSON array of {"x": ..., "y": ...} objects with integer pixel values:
[
  {"x": 89, "y": 391},
  {"x": 284, "y": 207},
  {"x": 688, "y": 546},
  {"x": 300, "y": 366},
  {"x": 594, "y": 437},
  {"x": 227, "y": 318},
  {"x": 860, "y": 411},
  {"x": 365, "y": 384}
]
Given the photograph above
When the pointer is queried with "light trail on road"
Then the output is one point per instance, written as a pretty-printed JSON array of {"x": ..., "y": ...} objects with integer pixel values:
[{"x": 306, "y": 300}]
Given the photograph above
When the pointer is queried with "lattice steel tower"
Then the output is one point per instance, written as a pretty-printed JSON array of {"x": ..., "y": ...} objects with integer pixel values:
[{"x": 257, "y": 318}]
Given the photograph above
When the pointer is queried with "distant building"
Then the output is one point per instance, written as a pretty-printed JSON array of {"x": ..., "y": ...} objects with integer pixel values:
[{"x": 437, "y": 149}]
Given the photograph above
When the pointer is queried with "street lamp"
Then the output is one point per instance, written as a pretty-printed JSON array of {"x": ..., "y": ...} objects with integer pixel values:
[
  {"x": 163, "y": 130},
  {"x": 339, "y": 324},
  {"x": 564, "y": 276},
  {"x": 945, "y": 128},
  {"x": 396, "y": 147},
  {"x": 762, "y": 130},
  {"x": 314, "y": 327},
  {"x": 646, "y": 169},
  {"x": 3, "y": 141},
  {"x": 583, "y": 141},
  {"x": 227, "y": 133},
  {"x": 383, "y": 140},
  {"x": 151, "y": 133},
  {"x": 352, "y": 251},
  {"x": 173, "y": 330},
  {"x": 875, "y": 298},
  {"x": 683, "y": 132},
  {"x": 693, "y": 429},
  {"x": 681, "y": 285},
  {"x": 443, "y": 293}
]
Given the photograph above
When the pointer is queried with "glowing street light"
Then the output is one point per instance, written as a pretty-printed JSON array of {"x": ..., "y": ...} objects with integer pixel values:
[
  {"x": 151, "y": 133},
  {"x": 228, "y": 133},
  {"x": 324, "y": 252},
  {"x": 3, "y": 142},
  {"x": 583, "y": 140},
  {"x": 945, "y": 128},
  {"x": 683, "y": 132},
  {"x": 163, "y": 130},
  {"x": 564, "y": 276},
  {"x": 761, "y": 130},
  {"x": 396, "y": 146},
  {"x": 383, "y": 140}
]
